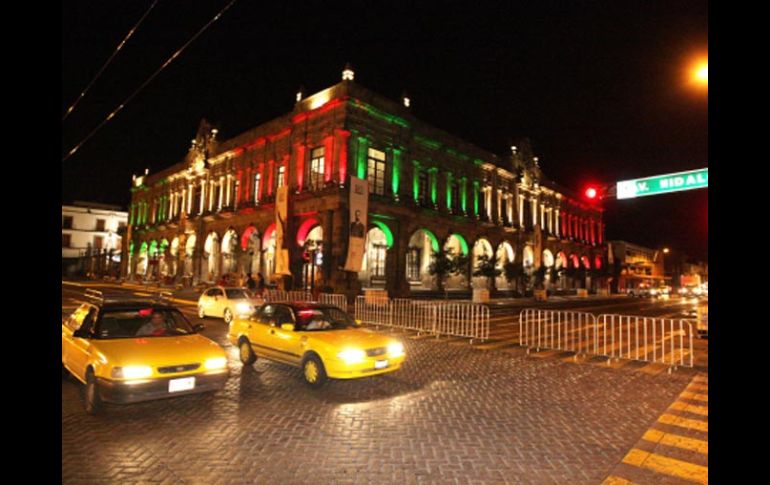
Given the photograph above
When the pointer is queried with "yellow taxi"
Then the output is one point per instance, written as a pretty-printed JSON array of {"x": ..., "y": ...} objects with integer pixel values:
[
  {"x": 320, "y": 339},
  {"x": 131, "y": 351}
]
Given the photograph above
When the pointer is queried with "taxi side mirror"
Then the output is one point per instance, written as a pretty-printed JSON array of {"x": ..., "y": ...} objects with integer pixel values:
[
  {"x": 198, "y": 327},
  {"x": 289, "y": 327}
]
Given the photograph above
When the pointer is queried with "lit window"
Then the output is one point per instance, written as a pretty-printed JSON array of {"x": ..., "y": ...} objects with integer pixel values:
[
  {"x": 376, "y": 172},
  {"x": 423, "y": 188},
  {"x": 413, "y": 258},
  {"x": 317, "y": 168},
  {"x": 257, "y": 181}
]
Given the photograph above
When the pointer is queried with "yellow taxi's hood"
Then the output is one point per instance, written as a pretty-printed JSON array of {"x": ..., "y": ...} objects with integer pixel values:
[
  {"x": 158, "y": 351},
  {"x": 359, "y": 338}
]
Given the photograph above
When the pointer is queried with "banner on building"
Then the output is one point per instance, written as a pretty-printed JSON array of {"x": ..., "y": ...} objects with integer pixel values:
[
  {"x": 359, "y": 207},
  {"x": 281, "y": 216}
]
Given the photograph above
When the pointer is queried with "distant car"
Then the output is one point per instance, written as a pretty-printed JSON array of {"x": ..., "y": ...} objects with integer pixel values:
[
  {"x": 661, "y": 291},
  {"x": 691, "y": 291},
  {"x": 641, "y": 291},
  {"x": 320, "y": 339},
  {"x": 127, "y": 351},
  {"x": 227, "y": 303}
]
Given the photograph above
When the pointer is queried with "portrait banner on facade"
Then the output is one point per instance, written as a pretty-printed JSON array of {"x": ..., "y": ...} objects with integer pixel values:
[
  {"x": 281, "y": 216},
  {"x": 359, "y": 207}
]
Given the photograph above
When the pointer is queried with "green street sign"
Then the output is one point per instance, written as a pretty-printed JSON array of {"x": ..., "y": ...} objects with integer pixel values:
[{"x": 663, "y": 184}]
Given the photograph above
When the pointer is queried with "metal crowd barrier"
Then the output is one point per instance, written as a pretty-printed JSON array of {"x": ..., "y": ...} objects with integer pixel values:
[
  {"x": 338, "y": 300},
  {"x": 457, "y": 319},
  {"x": 281, "y": 295},
  {"x": 559, "y": 330},
  {"x": 658, "y": 340}
]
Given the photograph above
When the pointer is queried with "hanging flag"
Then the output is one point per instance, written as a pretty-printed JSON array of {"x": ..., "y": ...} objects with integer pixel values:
[
  {"x": 359, "y": 207},
  {"x": 281, "y": 216}
]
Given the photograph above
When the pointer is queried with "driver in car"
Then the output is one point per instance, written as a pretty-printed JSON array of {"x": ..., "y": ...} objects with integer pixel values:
[{"x": 156, "y": 326}]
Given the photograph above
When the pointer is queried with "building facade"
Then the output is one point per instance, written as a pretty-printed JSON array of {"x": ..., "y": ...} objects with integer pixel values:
[
  {"x": 90, "y": 229},
  {"x": 635, "y": 265},
  {"x": 214, "y": 212}
]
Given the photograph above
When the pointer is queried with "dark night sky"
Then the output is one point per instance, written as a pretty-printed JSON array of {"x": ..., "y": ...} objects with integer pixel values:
[{"x": 599, "y": 87}]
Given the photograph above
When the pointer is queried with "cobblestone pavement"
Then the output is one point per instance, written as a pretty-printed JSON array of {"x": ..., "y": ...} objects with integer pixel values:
[{"x": 452, "y": 414}]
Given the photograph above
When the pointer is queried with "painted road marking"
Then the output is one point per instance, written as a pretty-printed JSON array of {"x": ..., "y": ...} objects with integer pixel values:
[
  {"x": 695, "y": 396},
  {"x": 667, "y": 466},
  {"x": 142, "y": 294},
  {"x": 690, "y": 408},
  {"x": 612, "y": 480},
  {"x": 677, "y": 441},
  {"x": 698, "y": 387},
  {"x": 684, "y": 422}
]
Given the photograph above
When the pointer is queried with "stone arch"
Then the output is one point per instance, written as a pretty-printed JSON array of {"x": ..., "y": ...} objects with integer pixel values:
[
  {"x": 458, "y": 246},
  {"x": 312, "y": 243},
  {"x": 268, "y": 251},
  {"x": 375, "y": 256},
  {"x": 189, "y": 251},
  {"x": 230, "y": 251},
  {"x": 422, "y": 244},
  {"x": 251, "y": 245},
  {"x": 481, "y": 247},
  {"x": 503, "y": 255},
  {"x": 210, "y": 268},
  {"x": 141, "y": 261}
]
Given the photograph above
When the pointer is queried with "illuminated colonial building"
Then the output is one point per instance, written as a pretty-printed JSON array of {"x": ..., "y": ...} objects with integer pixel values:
[{"x": 214, "y": 212}]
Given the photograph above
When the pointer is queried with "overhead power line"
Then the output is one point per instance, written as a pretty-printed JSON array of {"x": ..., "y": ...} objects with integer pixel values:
[
  {"x": 145, "y": 83},
  {"x": 114, "y": 53}
]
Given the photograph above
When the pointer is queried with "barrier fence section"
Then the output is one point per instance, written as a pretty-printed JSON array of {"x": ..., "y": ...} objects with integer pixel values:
[
  {"x": 281, "y": 295},
  {"x": 648, "y": 339},
  {"x": 659, "y": 340},
  {"x": 559, "y": 330},
  {"x": 338, "y": 300},
  {"x": 457, "y": 319}
]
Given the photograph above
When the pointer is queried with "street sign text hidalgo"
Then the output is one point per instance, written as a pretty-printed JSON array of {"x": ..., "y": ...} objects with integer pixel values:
[{"x": 661, "y": 184}]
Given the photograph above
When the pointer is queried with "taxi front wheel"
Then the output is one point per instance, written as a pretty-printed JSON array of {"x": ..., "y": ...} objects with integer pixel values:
[
  {"x": 313, "y": 371},
  {"x": 246, "y": 353},
  {"x": 93, "y": 400}
]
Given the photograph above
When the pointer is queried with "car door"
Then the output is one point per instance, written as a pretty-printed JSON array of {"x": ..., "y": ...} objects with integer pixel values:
[
  {"x": 259, "y": 329},
  {"x": 80, "y": 348},
  {"x": 285, "y": 342},
  {"x": 217, "y": 302},
  {"x": 69, "y": 325}
]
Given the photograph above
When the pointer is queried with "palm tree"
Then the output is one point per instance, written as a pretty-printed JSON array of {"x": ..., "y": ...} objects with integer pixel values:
[{"x": 512, "y": 273}]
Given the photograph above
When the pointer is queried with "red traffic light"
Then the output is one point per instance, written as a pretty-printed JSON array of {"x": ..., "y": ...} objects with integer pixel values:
[{"x": 591, "y": 192}]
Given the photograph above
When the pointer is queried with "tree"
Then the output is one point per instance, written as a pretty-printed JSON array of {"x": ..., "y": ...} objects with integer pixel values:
[
  {"x": 512, "y": 273},
  {"x": 487, "y": 266},
  {"x": 444, "y": 263}
]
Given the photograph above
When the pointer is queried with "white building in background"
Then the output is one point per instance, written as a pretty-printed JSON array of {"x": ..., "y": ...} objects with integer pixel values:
[{"x": 90, "y": 226}]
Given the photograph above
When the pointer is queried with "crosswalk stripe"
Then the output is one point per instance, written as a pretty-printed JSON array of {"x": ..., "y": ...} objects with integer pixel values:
[
  {"x": 690, "y": 408},
  {"x": 613, "y": 480},
  {"x": 695, "y": 396},
  {"x": 667, "y": 466},
  {"x": 698, "y": 387},
  {"x": 677, "y": 441},
  {"x": 684, "y": 422}
]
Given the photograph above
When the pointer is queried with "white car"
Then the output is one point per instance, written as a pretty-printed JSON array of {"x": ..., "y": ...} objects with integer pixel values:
[{"x": 226, "y": 302}]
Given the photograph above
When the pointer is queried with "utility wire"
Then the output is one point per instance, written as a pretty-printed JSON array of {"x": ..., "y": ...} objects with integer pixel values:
[
  {"x": 169, "y": 61},
  {"x": 114, "y": 53}
]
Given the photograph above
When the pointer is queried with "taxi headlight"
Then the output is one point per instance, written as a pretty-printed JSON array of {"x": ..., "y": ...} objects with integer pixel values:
[
  {"x": 216, "y": 363},
  {"x": 396, "y": 349},
  {"x": 132, "y": 372},
  {"x": 243, "y": 308},
  {"x": 352, "y": 356}
]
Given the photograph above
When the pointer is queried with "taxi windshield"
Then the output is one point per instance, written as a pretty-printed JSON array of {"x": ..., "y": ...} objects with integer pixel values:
[
  {"x": 146, "y": 322},
  {"x": 313, "y": 319}
]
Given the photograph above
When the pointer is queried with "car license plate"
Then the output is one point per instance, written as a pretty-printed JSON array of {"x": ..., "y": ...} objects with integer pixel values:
[
  {"x": 380, "y": 364},
  {"x": 183, "y": 384}
]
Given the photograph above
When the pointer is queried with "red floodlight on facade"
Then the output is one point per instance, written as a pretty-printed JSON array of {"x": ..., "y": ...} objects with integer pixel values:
[{"x": 591, "y": 193}]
